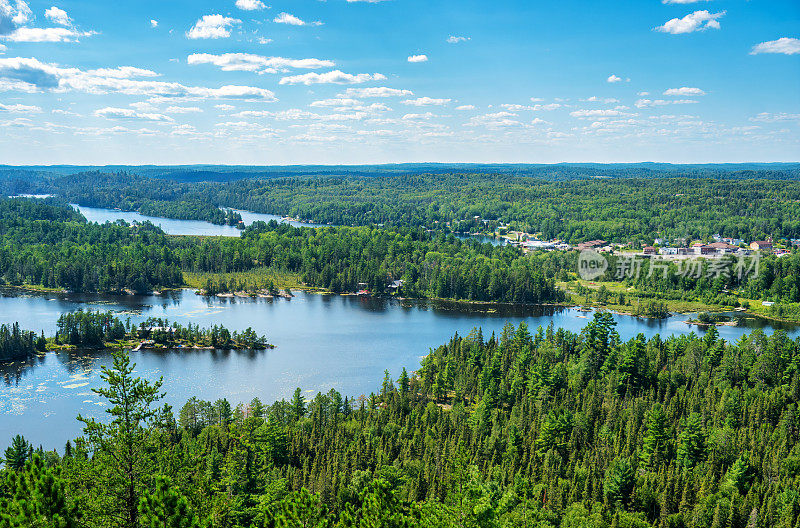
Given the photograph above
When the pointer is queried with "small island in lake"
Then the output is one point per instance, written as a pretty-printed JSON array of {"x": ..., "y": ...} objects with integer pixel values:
[{"x": 100, "y": 330}]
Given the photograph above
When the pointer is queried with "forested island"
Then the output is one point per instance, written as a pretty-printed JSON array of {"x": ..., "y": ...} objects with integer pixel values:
[
  {"x": 551, "y": 429},
  {"x": 103, "y": 330}
]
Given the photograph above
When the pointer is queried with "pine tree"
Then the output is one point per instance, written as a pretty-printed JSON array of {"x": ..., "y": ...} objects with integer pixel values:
[
  {"x": 18, "y": 453},
  {"x": 122, "y": 444},
  {"x": 655, "y": 443},
  {"x": 166, "y": 507},
  {"x": 35, "y": 497}
]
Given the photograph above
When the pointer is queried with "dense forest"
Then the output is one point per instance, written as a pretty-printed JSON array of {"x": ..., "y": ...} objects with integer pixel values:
[
  {"x": 52, "y": 246},
  {"x": 17, "y": 344},
  {"x": 572, "y": 204},
  {"x": 552, "y": 430}
]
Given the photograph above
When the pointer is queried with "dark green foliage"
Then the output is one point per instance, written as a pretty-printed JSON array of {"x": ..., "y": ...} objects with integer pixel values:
[
  {"x": 166, "y": 507},
  {"x": 510, "y": 430},
  {"x": 18, "y": 453},
  {"x": 35, "y": 497},
  {"x": 17, "y": 344}
]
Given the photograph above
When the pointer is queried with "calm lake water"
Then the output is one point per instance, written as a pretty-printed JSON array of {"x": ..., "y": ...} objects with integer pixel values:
[
  {"x": 323, "y": 342},
  {"x": 181, "y": 227}
]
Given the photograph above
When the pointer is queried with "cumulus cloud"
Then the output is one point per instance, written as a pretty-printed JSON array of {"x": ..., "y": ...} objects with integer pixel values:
[
  {"x": 379, "y": 91},
  {"x": 613, "y": 78},
  {"x": 465, "y": 107},
  {"x": 332, "y": 77},
  {"x": 53, "y": 34},
  {"x": 256, "y": 63},
  {"x": 784, "y": 45},
  {"x": 697, "y": 21},
  {"x": 58, "y": 16},
  {"x": 684, "y": 92},
  {"x": 129, "y": 113},
  {"x": 426, "y": 101},
  {"x": 452, "y": 39},
  {"x": 212, "y": 27},
  {"x": 250, "y": 5},
  {"x": 287, "y": 18},
  {"x": 32, "y": 75},
  {"x": 418, "y": 58},
  {"x": 153, "y": 23},
  {"x": 20, "y": 109},
  {"x": 12, "y": 16}
]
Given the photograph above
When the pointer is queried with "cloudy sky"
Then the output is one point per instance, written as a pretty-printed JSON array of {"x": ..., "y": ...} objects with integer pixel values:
[{"x": 374, "y": 81}]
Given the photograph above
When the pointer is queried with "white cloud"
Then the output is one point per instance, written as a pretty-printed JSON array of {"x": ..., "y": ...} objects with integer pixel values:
[
  {"x": 697, "y": 21},
  {"x": 645, "y": 103},
  {"x": 264, "y": 40},
  {"x": 122, "y": 72},
  {"x": 547, "y": 107},
  {"x": 127, "y": 113},
  {"x": 224, "y": 107},
  {"x": 287, "y": 18},
  {"x": 784, "y": 45},
  {"x": 32, "y": 75},
  {"x": 182, "y": 110},
  {"x": 255, "y": 63},
  {"x": 597, "y": 113},
  {"x": 613, "y": 78},
  {"x": 465, "y": 107},
  {"x": 58, "y": 16},
  {"x": 250, "y": 5},
  {"x": 418, "y": 58},
  {"x": 20, "y": 109},
  {"x": 766, "y": 117},
  {"x": 12, "y": 16},
  {"x": 212, "y": 27},
  {"x": 426, "y": 101},
  {"x": 53, "y": 34},
  {"x": 684, "y": 92},
  {"x": 418, "y": 117},
  {"x": 452, "y": 39},
  {"x": 380, "y": 91},
  {"x": 643, "y": 94},
  {"x": 604, "y": 100},
  {"x": 153, "y": 23},
  {"x": 332, "y": 77}
]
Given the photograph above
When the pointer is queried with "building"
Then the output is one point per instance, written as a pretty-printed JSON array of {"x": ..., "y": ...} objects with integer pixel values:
[
  {"x": 761, "y": 245},
  {"x": 723, "y": 247},
  {"x": 592, "y": 244},
  {"x": 650, "y": 250}
]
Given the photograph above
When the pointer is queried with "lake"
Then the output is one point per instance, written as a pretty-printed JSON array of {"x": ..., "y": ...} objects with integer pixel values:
[
  {"x": 182, "y": 227},
  {"x": 323, "y": 342}
]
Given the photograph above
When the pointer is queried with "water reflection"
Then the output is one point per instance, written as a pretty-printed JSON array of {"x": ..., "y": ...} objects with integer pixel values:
[{"x": 323, "y": 342}]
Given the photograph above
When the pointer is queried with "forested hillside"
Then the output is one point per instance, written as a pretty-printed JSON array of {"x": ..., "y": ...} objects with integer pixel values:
[
  {"x": 53, "y": 246},
  {"x": 571, "y": 203},
  {"x": 553, "y": 430}
]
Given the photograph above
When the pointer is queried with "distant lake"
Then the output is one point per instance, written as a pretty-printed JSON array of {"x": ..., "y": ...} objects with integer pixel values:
[
  {"x": 182, "y": 227},
  {"x": 323, "y": 342}
]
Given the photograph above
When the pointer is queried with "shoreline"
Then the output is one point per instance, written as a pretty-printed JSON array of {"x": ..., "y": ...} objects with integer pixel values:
[{"x": 489, "y": 305}]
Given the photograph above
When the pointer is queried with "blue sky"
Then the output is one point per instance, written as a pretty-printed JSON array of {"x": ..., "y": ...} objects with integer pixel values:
[{"x": 359, "y": 81}]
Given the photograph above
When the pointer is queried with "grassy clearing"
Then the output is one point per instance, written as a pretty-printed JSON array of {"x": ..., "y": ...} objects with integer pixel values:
[{"x": 251, "y": 280}]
